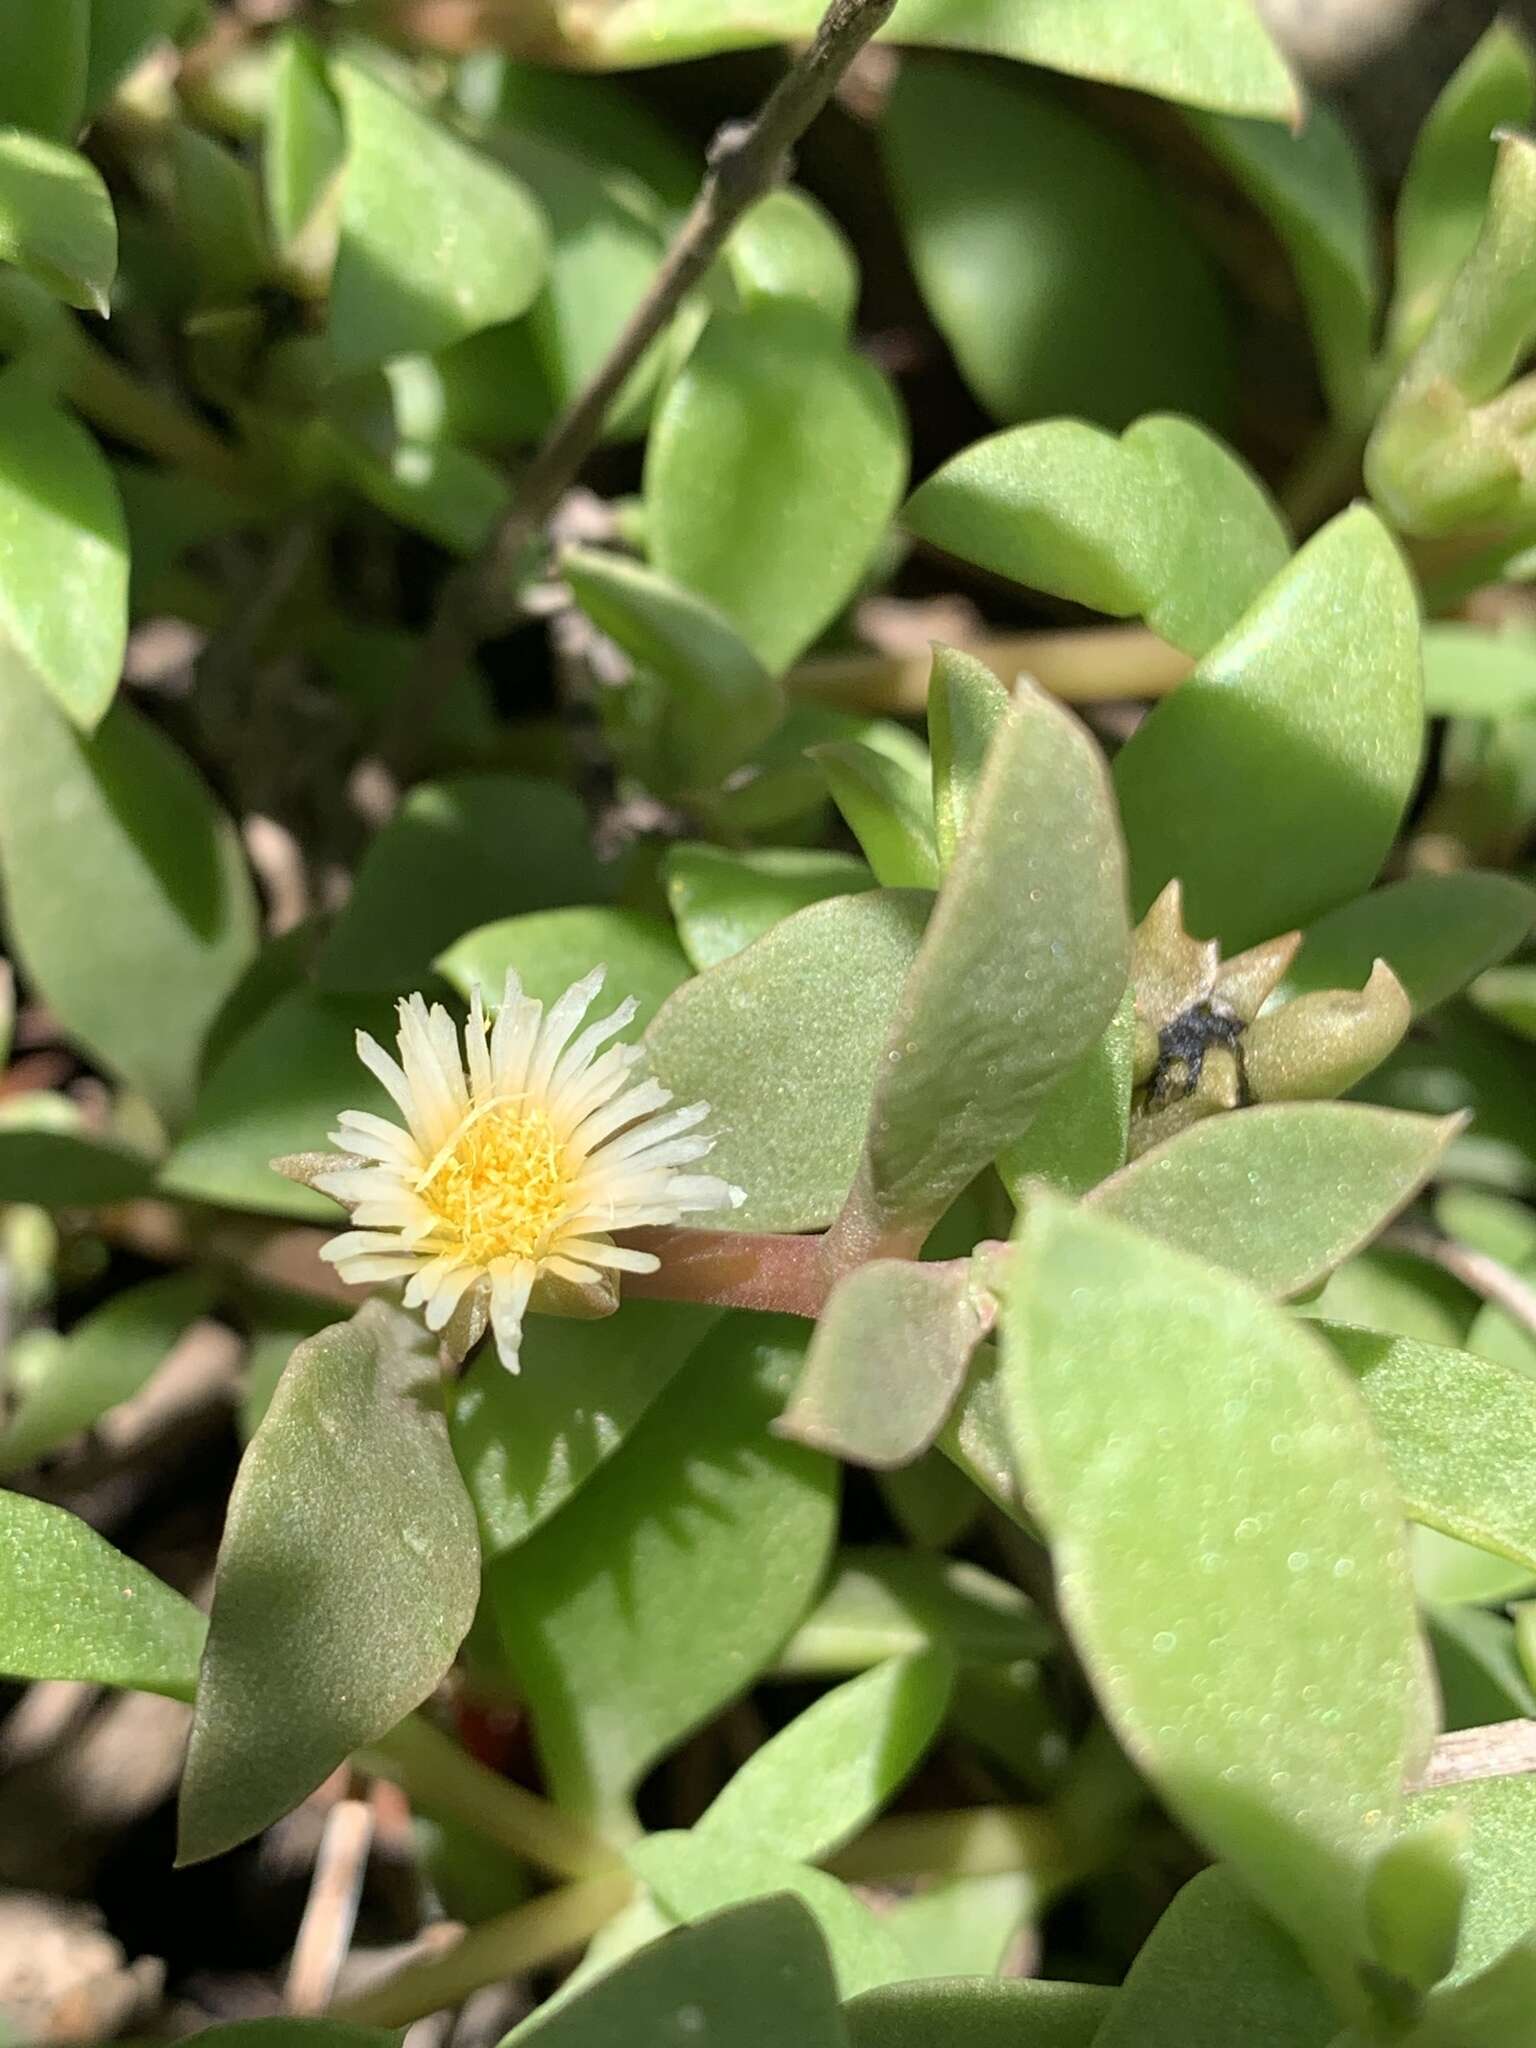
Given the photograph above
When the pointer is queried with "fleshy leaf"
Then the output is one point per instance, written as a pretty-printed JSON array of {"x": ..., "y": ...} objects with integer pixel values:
[
  {"x": 305, "y": 145},
  {"x": 889, "y": 809},
  {"x": 884, "y": 1602},
  {"x": 476, "y": 250},
  {"x": 1279, "y": 1194},
  {"x": 1165, "y": 523},
  {"x": 1459, "y": 1433},
  {"x": 1228, "y": 1550},
  {"x": 1078, "y": 1137},
  {"x": 773, "y": 467},
  {"x": 721, "y": 702},
  {"x": 782, "y": 1040},
  {"x": 347, "y": 1578},
  {"x": 455, "y": 855},
  {"x": 888, "y": 1357},
  {"x": 43, "y": 83},
  {"x": 693, "y": 1874},
  {"x": 1020, "y": 969},
  {"x": 66, "y": 1169},
  {"x": 1272, "y": 782},
  {"x": 831, "y": 1770},
  {"x": 64, "y": 574},
  {"x": 754, "y": 1976},
  {"x": 127, "y": 897},
  {"x": 1214, "y": 1971},
  {"x": 1049, "y": 258},
  {"x": 104, "y": 1359},
  {"x": 788, "y": 247},
  {"x": 1472, "y": 673},
  {"x": 552, "y": 948},
  {"x": 526, "y": 1441},
  {"x": 643, "y": 1605},
  {"x": 981, "y": 2012},
  {"x": 56, "y": 219},
  {"x": 1434, "y": 931},
  {"x": 723, "y": 900},
  {"x": 966, "y": 705},
  {"x": 72, "y": 1607}
]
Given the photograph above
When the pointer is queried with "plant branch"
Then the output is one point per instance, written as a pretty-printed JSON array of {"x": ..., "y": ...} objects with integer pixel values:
[
  {"x": 746, "y": 160},
  {"x": 527, "y": 1938},
  {"x": 1501, "y": 1749},
  {"x": 1487, "y": 1276},
  {"x": 1081, "y": 665},
  {"x": 436, "y": 1774}
]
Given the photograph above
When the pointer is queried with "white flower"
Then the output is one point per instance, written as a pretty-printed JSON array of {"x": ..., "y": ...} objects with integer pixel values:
[{"x": 518, "y": 1159}]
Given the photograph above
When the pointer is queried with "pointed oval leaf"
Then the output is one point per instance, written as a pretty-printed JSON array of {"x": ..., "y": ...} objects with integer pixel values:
[
  {"x": 477, "y": 246},
  {"x": 1500, "y": 1817},
  {"x": 1459, "y": 1433},
  {"x": 980, "y": 2012},
  {"x": 526, "y": 1441},
  {"x": 1272, "y": 782},
  {"x": 1436, "y": 932},
  {"x": 42, "y": 85},
  {"x": 693, "y": 1874},
  {"x": 104, "y": 1359},
  {"x": 1280, "y": 1194},
  {"x": 347, "y": 1578},
  {"x": 127, "y": 898},
  {"x": 455, "y": 855},
  {"x": 56, "y": 220},
  {"x": 72, "y": 1607},
  {"x": 887, "y": 1360},
  {"x": 966, "y": 705},
  {"x": 1209, "y": 52},
  {"x": 549, "y": 949},
  {"x": 1227, "y": 1543},
  {"x": 721, "y": 702},
  {"x": 64, "y": 1169},
  {"x": 1079, "y": 1134},
  {"x": 782, "y": 1040},
  {"x": 754, "y": 1976},
  {"x": 1311, "y": 184},
  {"x": 827, "y": 1774},
  {"x": 1020, "y": 969},
  {"x": 305, "y": 145},
  {"x": 643, "y": 1606},
  {"x": 723, "y": 900},
  {"x": 788, "y": 246},
  {"x": 1444, "y": 192},
  {"x": 773, "y": 468},
  {"x": 1049, "y": 258},
  {"x": 278, "y": 1091},
  {"x": 888, "y": 807},
  {"x": 1472, "y": 673},
  {"x": 1214, "y": 1971},
  {"x": 64, "y": 563},
  {"x": 883, "y": 1602}
]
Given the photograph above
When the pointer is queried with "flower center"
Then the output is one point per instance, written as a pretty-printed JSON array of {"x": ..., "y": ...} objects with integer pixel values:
[{"x": 499, "y": 1187}]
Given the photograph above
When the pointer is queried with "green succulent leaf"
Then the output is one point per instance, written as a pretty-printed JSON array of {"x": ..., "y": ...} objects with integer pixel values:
[
  {"x": 105, "y": 1358},
  {"x": 56, "y": 220},
  {"x": 128, "y": 901},
  {"x": 46, "y": 55},
  {"x": 476, "y": 251},
  {"x": 788, "y": 246},
  {"x": 1414, "y": 1901},
  {"x": 774, "y": 465},
  {"x": 1259, "y": 1989},
  {"x": 1164, "y": 523},
  {"x": 1280, "y": 1194},
  {"x": 305, "y": 146},
  {"x": 347, "y": 1578},
  {"x": 72, "y": 1607},
  {"x": 455, "y": 855},
  {"x": 1020, "y": 969},
  {"x": 888, "y": 806},
  {"x": 756, "y": 1975},
  {"x": 723, "y": 900},
  {"x": 1078, "y": 1137},
  {"x": 1436, "y": 932},
  {"x": 783, "y": 1040},
  {"x": 827, "y": 1774},
  {"x": 1271, "y": 783},
  {"x": 67, "y": 1168},
  {"x": 981, "y": 2012},
  {"x": 1208, "y": 1590},
  {"x": 721, "y": 703},
  {"x": 549, "y": 949},
  {"x": 643, "y": 1606},
  {"x": 64, "y": 576},
  {"x": 1049, "y": 258},
  {"x": 888, "y": 1357},
  {"x": 882, "y": 1602},
  {"x": 966, "y": 705},
  {"x": 1499, "y": 1816},
  {"x": 526, "y": 1441}
]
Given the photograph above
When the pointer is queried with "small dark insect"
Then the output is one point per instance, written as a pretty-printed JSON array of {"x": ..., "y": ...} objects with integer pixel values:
[{"x": 1185, "y": 1042}]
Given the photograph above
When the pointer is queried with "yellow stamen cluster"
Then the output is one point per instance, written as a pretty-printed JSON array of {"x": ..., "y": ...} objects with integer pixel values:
[{"x": 500, "y": 1187}]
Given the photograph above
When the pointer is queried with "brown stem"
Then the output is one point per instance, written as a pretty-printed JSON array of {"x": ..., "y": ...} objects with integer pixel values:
[
  {"x": 757, "y": 1269},
  {"x": 746, "y": 160},
  {"x": 1485, "y": 1275},
  {"x": 1083, "y": 665}
]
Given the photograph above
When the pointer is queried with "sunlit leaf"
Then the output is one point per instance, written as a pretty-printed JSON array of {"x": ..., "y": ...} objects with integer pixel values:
[
  {"x": 1434, "y": 931},
  {"x": 788, "y": 247},
  {"x": 42, "y": 85},
  {"x": 549, "y": 949},
  {"x": 56, "y": 219},
  {"x": 724, "y": 900},
  {"x": 889, "y": 809},
  {"x": 347, "y": 1578}
]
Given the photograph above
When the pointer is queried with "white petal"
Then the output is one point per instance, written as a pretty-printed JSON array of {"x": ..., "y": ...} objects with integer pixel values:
[
  {"x": 581, "y": 1051},
  {"x": 366, "y": 1272},
  {"x": 449, "y": 1292},
  {"x": 655, "y": 1131},
  {"x": 351, "y": 1184},
  {"x": 476, "y": 1053},
  {"x": 372, "y": 1137},
  {"x": 620, "y": 1256},
  {"x": 353, "y": 1244},
  {"x": 564, "y": 1015},
  {"x": 634, "y": 1102},
  {"x": 440, "y": 1098},
  {"x": 383, "y": 1068},
  {"x": 512, "y": 1039},
  {"x": 511, "y": 1285},
  {"x": 694, "y": 1192},
  {"x": 583, "y": 1093}
]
